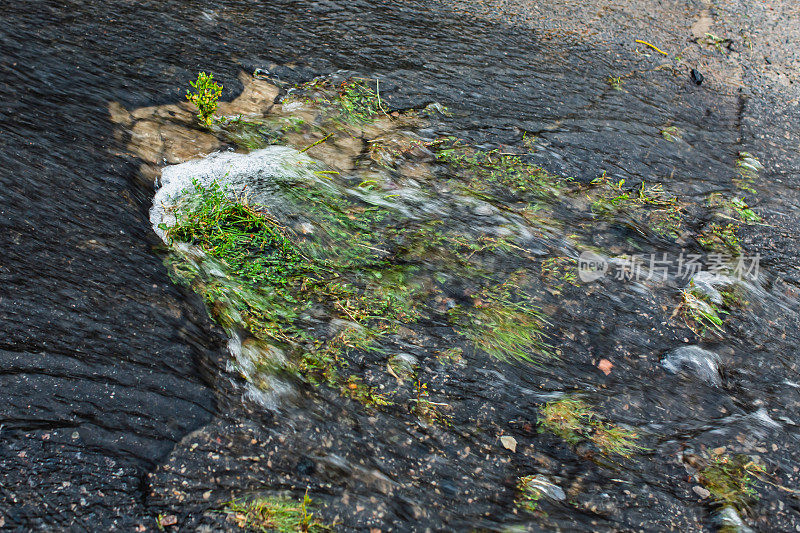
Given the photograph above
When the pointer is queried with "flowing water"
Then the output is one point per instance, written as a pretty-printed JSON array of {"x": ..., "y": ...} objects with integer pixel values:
[{"x": 122, "y": 400}]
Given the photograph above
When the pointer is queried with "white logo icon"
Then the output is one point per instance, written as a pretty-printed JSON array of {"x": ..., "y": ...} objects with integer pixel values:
[{"x": 591, "y": 266}]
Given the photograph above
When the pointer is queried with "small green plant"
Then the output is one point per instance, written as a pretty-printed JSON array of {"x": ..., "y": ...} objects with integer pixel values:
[
  {"x": 568, "y": 418},
  {"x": 743, "y": 210},
  {"x": 529, "y": 140},
  {"x": 748, "y": 167},
  {"x": 363, "y": 393},
  {"x": 721, "y": 238},
  {"x": 205, "y": 95},
  {"x": 428, "y": 411},
  {"x": 574, "y": 420},
  {"x": 560, "y": 271},
  {"x": 528, "y": 493},
  {"x": 699, "y": 314},
  {"x": 716, "y": 41},
  {"x": 615, "y": 82},
  {"x": 488, "y": 174},
  {"x": 733, "y": 208},
  {"x": 270, "y": 281},
  {"x": 645, "y": 205},
  {"x": 731, "y": 480},
  {"x": 269, "y": 514},
  {"x": 734, "y": 297},
  {"x": 359, "y": 103},
  {"x": 451, "y": 356},
  {"x": 671, "y": 133}
]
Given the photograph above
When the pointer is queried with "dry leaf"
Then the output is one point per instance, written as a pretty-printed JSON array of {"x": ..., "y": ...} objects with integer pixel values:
[
  {"x": 509, "y": 443},
  {"x": 605, "y": 365}
]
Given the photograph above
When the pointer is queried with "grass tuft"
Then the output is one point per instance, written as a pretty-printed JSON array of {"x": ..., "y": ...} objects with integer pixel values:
[
  {"x": 271, "y": 514},
  {"x": 722, "y": 238},
  {"x": 731, "y": 480},
  {"x": 748, "y": 167},
  {"x": 648, "y": 206},
  {"x": 699, "y": 314},
  {"x": 504, "y": 326},
  {"x": 492, "y": 173},
  {"x": 575, "y": 421}
]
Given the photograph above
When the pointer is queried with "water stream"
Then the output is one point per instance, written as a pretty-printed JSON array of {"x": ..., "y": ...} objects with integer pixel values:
[{"x": 124, "y": 399}]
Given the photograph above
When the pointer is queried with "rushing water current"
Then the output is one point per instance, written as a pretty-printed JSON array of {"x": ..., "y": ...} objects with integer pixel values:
[{"x": 123, "y": 400}]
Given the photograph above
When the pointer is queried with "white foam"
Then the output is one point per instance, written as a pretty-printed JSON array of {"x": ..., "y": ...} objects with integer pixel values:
[{"x": 252, "y": 174}]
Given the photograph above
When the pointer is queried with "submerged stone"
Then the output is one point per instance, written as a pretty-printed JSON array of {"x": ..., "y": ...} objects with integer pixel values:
[
  {"x": 730, "y": 521},
  {"x": 707, "y": 284},
  {"x": 545, "y": 487},
  {"x": 702, "y": 363}
]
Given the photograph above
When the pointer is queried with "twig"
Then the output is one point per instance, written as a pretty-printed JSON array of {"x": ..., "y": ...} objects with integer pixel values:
[
  {"x": 654, "y": 47},
  {"x": 748, "y": 223},
  {"x": 328, "y": 136},
  {"x": 378, "y": 94}
]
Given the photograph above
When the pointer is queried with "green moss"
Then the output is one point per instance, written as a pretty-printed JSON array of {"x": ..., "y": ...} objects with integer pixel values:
[
  {"x": 269, "y": 514},
  {"x": 575, "y": 421}
]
